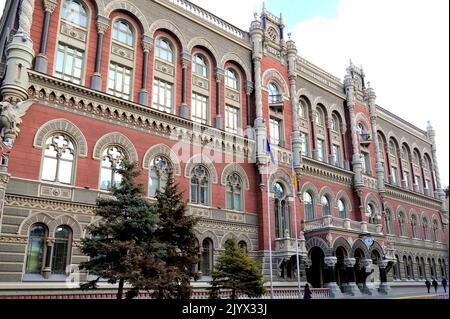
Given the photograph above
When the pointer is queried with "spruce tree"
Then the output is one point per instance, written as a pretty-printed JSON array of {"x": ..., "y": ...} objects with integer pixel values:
[
  {"x": 176, "y": 231},
  {"x": 237, "y": 272},
  {"x": 123, "y": 243}
]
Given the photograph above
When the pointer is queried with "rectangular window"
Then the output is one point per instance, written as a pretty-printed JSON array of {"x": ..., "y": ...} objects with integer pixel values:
[
  {"x": 366, "y": 164},
  {"x": 162, "y": 96},
  {"x": 275, "y": 131},
  {"x": 337, "y": 155},
  {"x": 321, "y": 152},
  {"x": 199, "y": 108},
  {"x": 231, "y": 119},
  {"x": 394, "y": 176},
  {"x": 305, "y": 144},
  {"x": 69, "y": 63},
  {"x": 406, "y": 181},
  {"x": 119, "y": 81}
]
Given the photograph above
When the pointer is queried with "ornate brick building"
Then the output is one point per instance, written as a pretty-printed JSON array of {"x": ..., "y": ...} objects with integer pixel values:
[{"x": 86, "y": 83}]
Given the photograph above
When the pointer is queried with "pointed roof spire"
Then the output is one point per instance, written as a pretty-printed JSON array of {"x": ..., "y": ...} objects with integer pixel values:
[{"x": 264, "y": 6}]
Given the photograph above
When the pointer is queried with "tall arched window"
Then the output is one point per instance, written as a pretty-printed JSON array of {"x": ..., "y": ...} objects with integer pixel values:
[
  {"x": 309, "y": 206},
  {"x": 121, "y": 65},
  {"x": 326, "y": 208},
  {"x": 388, "y": 221},
  {"x": 402, "y": 224},
  {"x": 342, "y": 209},
  {"x": 233, "y": 100},
  {"x": 397, "y": 272},
  {"x": 200, "y": 186},
  {"x": 164, "y": 76},
  {"x": 414, "y": 226},
  {"x": 159, "y": 173},
  {"x": 282, "y": 212},
  {"x": 207, "y": 257},
  {"x": 243, "y": 246},
  {"x": 411, "y": 267},
  {"x": 74, "y": 12},
  {"x": 319, "y": 118},
  {"x": 164, "y": 50},
  {"x": 36, "y": 249},
  {"x": 419, "y": 268},
  {"x": 436, "y": 231},
  {"x": 234, "y": 192},
  {"x": 61, "y": 250},
  {"x": 58, "y": 162},
  {"x": 371, "y": 214},
  {"x": 112, "y": 158},
  {"x": 406, "y": 267},
  {"x": 426, "y": 229},
  {"x": 303, "y": 110},
  {"x": 201, "y": 90},
  {"x": 275, "y": 96},
  {"x": 200, "y": 66}
]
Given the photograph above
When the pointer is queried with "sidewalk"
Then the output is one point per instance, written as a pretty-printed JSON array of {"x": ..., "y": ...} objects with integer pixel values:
[{"x": 405, "y": 293}]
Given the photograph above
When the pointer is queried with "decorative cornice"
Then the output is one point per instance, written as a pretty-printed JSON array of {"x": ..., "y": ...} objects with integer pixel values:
[
  {"x": 48, "y": 205},
  {"x": 327, "y": 172},
  {"x": 412, "y": 198},
  {"x": 14, "y": 239}
]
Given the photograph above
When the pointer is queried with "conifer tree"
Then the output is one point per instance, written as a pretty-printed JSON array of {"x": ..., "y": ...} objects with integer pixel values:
[
  {"x": 123, "y": 242},
  {"x": 237, "y": 272}
]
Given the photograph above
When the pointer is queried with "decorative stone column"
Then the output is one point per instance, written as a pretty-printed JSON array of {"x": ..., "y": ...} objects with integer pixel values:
[
  {"x": 219, "y": 78},
  {"x": 431, "y": 133},
  {"x": 147, "y": 44},
  {"x": 384, "y": 286},
  {"x": 351, "y": 288},
  {"x": 102, "y": 26},
  {"x": 47, "y": 271},
  {"x": 367, "y": 263},
  {"x": 249, "y": 87},
  {"x": 41, "y": 63},
  {"x": 335, "y": 291},
  {"x": 185, "y": 61}
]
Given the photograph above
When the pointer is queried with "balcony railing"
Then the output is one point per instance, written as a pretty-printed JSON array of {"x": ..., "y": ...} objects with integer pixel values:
[
  {"x": 275, "y": 99},
  {"x": 329, "y": 222},
  {"x": 365, "y": 139}
]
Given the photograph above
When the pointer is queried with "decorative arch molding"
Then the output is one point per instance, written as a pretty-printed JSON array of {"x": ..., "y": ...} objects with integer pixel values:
[
  {"x": 377, "y": 247},
  {"x": 63, "y": 126},
  {"x": 423, "y": 216},
  {"x": 304, "y": 92},
  {"x": 371, "y": 198},
  {"x": 342, "y": 242},
  {"x": 274, "y": 74},
  {"x": 233, "y": 57},
  {"x": 316, "y": 242},
  {"x": 240, "y": 237},
  {"x": 348, "y": 203},
  {"x": 309, "y": 187},
  {"x": 100, "y": 4},
  {"x": 201, "y": 160},
  {"x": 401, "y": 209},
  {"x": 235, "y": 168},
  {"x": 115, "y": 139},
  {"x": 320, "y": 100},
  {"x": 209, "y": 234},
  {"x": 202, "y": 42},
  {"x": 359, "y": 244},
  {"x": 326, "y": 191},
  {"x": 283, "y": 177},
  {"x": 129, "y": 7},
  {"x": 362, "y": 118},
  {"x": 335, "y": 109},
  {"x": 52, "y": 223},
  {"x": 393, "y": 137},
  {"x": 412, "y": 213},
  {"x": 162, "y": 150},
  {"x": 167, "y": 25}
]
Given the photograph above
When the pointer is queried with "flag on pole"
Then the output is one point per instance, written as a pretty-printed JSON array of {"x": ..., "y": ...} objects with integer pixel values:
[
  {"x": 295, "y": 176},
  {"x": 269, "y": 150}
]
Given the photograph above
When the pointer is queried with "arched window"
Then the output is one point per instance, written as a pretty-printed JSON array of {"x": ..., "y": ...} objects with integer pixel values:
[
  {"x": 388, "y": 222},
  {"x": 36, "y": 249},
  {"x": 207, "y": 257},
  {"x": 319, "y": 118},
  {"x": 436, "y": 231},
  {"x": 200, "y": 66},
  {"x": 415, "y": 231},
  {"x": 406, "y": 267},
  {"x": 159, "y": 174},
  {"x": 123, "y": 32},
  {"x": 309, "y": 206},
  {"x": 200, "y": 186},
  {"x": 243, "y": 246},
  {"x": 231, "y": 79},
  {"x": 234, "y": 192},
  {"x": 303, "y": 109},
  {"x": 334, "y": 123},
  {"x": 112, "y": 158},
  {"x": 61, "y": 250},
  {"x": 397, "y": 272},
  {"x": 58, "y": 162},
  {"x": 371, "y": 214},
  {"x": 419, "y": 268},
  {"x": 392, "y": 149},
  {"x": 426, "y": 229},
  {"x": 275, "y": 96},
  {"x": 402, "y": 224},
  {"x": 342, "y": 209},
  {"x": 282, "y": 212},
  {"x": 164, "y": 50},
  {"x": 74, "y": 12},
  {"x": 326, "y": 208},
  {"x": 411, "y": 267}
]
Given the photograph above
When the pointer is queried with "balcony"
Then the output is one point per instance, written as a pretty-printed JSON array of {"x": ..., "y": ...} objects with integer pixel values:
[
  {"x": 275, "y": 99},
  {"x": 286, "y": 247},
  {"x": 330, "y": 222},
  {"x": 365, "y": 139}
]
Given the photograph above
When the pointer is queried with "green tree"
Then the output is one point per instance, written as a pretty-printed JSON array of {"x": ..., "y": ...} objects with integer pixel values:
[
  {"x": 176, "y": 231},
  {"x": 123, "y": 243},
  {"x": 237, "y": 272}
]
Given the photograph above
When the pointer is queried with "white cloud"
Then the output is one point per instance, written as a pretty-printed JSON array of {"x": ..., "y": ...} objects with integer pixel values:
[{"x": 404, "y": 48}]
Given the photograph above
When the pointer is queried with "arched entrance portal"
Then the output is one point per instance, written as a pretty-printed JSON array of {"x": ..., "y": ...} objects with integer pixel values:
[
  {"x": 315, "y": 273},
  {"x": 360, "y": 270},
  {"x": 341, "y": 270}
]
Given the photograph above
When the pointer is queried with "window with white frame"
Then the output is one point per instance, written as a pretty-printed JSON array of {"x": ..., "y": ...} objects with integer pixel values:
[
  {"x": 69, "y": 63},
  {"x": 231, "y": 79},
  {"x": 321, "y": 151},
  {"x": 342, "y": 209},
  {"x": 275, "y": 96},
  {"x": 326, "y": 208},
  {"x": 162, "y": 95},
  {"x": 309, "y": 206},
  {"x": 305, "y": 144},
  {"x": 234, "y": 192},
  {"x": 282, "y": 213},
  {"x": 200, "y": 186},
  {"x": 275, "y": 131},
  {"x": 123, "y": 33},
  {"x": 59, "y": 158},
  {"x": 75, "y": 13},
  {"x": 199, "y": 108},
  {"x": 159, "y": 175},
  {"x": 112, "y": 158},
  {"x": 164, "y": 50},
  {"x": 337, "y": 155},
  {"x": 232, "y": 119},
  {"x": 119, "y": 81},
  {"x": 200, "y": 66},
  {"x": 366, "y": 163}
]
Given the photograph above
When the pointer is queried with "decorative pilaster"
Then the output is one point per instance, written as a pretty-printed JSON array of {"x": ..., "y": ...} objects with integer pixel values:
[
  {"x": 41, "y": 63},
  {"x": 147, "y": 44},
  {"x": 102, "y": 27},
  {"x": 351, "y": 288},
  {"x": 249, "y": 87},
  {"x": 47, "y": 271},
  {"x": 219, "y": 79},
  {"x": 185, "y": 61},
  {"x": 371, "y": 100}
]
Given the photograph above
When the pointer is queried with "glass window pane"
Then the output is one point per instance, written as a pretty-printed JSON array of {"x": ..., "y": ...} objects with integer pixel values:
[
  {"x": 105, "y": 179},
  {"x": 36, "y": 248},
  {"x": 49, "y": 169}
]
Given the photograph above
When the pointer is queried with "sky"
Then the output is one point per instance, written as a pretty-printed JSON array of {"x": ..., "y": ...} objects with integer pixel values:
[{"x": 403, "y": 46}]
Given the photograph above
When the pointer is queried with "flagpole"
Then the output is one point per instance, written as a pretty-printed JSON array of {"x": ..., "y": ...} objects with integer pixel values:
[
  {"x": 297, "y": 241},
  {"x": 270, "y": 233}
]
